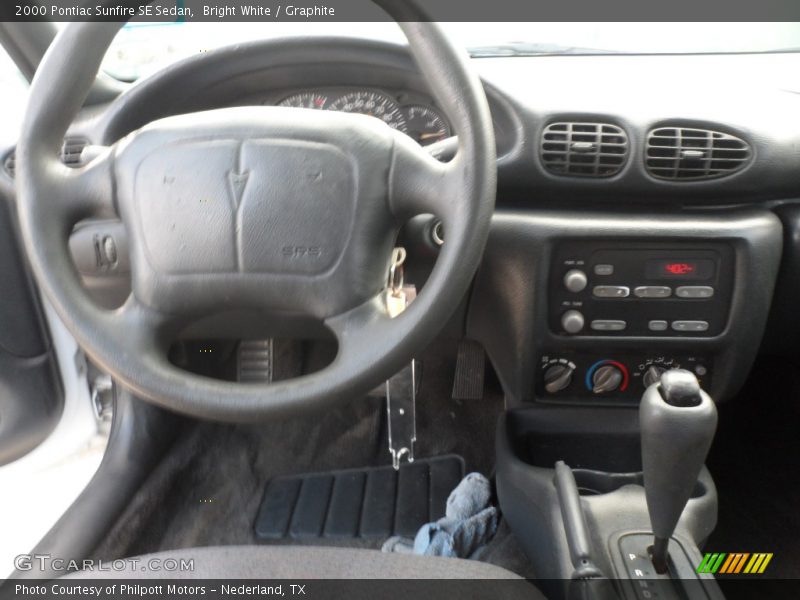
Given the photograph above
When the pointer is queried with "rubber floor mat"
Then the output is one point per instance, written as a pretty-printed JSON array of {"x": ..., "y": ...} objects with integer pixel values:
[{"x": 366, "y": 503}]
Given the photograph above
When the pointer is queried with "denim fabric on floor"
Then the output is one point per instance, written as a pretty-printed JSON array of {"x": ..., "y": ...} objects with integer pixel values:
[{"x": 468, "y": 526}]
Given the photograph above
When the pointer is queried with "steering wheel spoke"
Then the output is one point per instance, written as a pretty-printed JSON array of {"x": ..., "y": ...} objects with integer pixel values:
[
  {"x": 419, "y": 183},
  {"x": 351, "y": 326},
  {"x": 88, "y": 191}
]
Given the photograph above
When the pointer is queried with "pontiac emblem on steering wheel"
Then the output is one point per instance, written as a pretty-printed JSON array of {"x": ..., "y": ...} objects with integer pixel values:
[{"x": 238, "y": 181}]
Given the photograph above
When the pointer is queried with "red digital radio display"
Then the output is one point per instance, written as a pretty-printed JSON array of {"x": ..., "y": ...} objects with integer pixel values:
[
  {"x": 665, "y": 268},
  {"x": 680, "y": 268}
]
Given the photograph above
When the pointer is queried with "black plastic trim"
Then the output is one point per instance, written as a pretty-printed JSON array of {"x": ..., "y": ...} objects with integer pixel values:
[{"x": 32, "y": 395}]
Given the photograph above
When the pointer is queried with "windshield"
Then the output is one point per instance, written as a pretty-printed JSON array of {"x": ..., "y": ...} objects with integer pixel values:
[
  {"x": 15, "y": 96},
  {"x": 141, "y": 48}
]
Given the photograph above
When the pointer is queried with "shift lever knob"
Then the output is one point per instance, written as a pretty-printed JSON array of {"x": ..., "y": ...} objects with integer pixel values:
[{"x": 677, "y": 421}]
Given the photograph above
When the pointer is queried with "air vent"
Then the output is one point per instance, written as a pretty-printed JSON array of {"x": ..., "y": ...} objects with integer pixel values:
[
  {"x": 10, "y": 163},
  {"x": 71, "y": 151},
  {"x": 584, "y": 149},
  {"x": 684, "y": 153}
]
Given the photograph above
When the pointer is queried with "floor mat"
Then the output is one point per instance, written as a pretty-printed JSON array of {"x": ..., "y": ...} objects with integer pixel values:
[
  {"x": 208, "y": 488},
  {"x": 373, "y": 502}
]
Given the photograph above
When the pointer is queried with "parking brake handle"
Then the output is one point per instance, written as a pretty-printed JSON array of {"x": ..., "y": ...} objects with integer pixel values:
[{"x": 677, "y": 421}]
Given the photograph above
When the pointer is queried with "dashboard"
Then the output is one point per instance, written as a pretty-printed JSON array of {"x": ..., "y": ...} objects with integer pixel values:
[
  {"x": 619, "y": 129},
  {"x": 647, "y": 206}
]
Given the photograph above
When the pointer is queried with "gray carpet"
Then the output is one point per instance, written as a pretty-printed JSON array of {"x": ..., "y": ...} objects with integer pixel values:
[{"x": 207, "y": 489}]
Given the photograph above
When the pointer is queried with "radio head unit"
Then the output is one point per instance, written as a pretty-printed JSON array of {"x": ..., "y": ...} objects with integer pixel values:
[{"x": 608, "y": 288}]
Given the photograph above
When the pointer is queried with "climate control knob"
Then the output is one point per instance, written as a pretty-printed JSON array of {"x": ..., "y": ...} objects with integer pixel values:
[
  {"x": 557, "y": 378},
  {"x": 572, "y": 321},
  {"x": 605, "y": 379},
  {"x": 652, "y": 375}
]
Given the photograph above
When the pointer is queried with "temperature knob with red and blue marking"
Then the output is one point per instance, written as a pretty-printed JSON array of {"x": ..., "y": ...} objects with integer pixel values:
[{"x": 606, "y": 376}]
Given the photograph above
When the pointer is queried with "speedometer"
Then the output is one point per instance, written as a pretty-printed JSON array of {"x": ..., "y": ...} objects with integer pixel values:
[
  {"x": 374, "y": 104},
  {"x": 305, "y": 100}
]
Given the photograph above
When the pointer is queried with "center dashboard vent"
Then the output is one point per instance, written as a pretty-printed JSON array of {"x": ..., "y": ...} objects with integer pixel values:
[
  {"x": 686, "y": 153},
  {"x": 584, "y": 149},
  {"x": 71, "y": 153}
]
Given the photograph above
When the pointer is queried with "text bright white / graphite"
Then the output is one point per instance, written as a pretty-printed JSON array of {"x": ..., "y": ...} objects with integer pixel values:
[{"x": 224, "y": 11}]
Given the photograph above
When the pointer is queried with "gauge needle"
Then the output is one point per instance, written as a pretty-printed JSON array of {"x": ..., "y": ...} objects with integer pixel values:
[{"x": 431, "y": 134}]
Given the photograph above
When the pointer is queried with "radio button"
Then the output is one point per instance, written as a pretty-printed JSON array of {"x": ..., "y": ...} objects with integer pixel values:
[
  {"x": 608, "y": 325},
  {"x": 604, "y": 269},
  {"x": 657, "y": 325},
  {"x": 694, "y": 291},
  {"x": 690, "y": 325},
  {"x": 572, "y": 321},
  {"x": 611, "y": 291},
  {"x": 575, "y": 280},
  {"x": 652, "y": 291}
]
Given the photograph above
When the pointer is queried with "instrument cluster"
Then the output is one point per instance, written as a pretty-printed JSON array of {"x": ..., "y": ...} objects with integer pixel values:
[{"x": 421, "y": 121}]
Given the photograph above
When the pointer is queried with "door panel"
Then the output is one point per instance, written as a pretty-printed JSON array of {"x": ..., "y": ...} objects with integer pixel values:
[{"x": 31, "y": 399}]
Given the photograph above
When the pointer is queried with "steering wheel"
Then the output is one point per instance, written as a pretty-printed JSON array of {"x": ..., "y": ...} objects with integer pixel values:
[{"x": 281, "y": 210}]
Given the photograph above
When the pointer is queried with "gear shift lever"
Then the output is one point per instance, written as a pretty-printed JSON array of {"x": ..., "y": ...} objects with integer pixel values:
[{"x": 677, "y": 421}]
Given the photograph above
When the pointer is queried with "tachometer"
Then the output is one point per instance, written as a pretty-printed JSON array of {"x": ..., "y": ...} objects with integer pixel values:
[
  {"x": 374, "y": 104},
  {"x": 306, "y": 100},
  {"x": 425, "y": 124}
]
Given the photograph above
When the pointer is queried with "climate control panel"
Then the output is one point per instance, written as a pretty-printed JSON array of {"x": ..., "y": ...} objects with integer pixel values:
[
  {"x": 621, "y": 377},
  {"x": 628, "y": 289}
]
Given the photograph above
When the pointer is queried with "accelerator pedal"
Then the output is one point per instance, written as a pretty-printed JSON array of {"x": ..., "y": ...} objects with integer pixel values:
[
  {"x": 254, "y": 361},
  {"x": 470, "y": 370}
]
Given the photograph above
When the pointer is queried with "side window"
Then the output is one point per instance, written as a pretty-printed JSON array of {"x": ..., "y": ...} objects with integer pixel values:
[{"x": 13, "y": 99}]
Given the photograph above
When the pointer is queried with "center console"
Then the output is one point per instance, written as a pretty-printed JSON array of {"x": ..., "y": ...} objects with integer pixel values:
[
  {"x": 599, "y": 527},
  {"x": 583, "y": 315},
  {"x": 624, "y": 289},
  {"x": 585, "y": 308}
]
